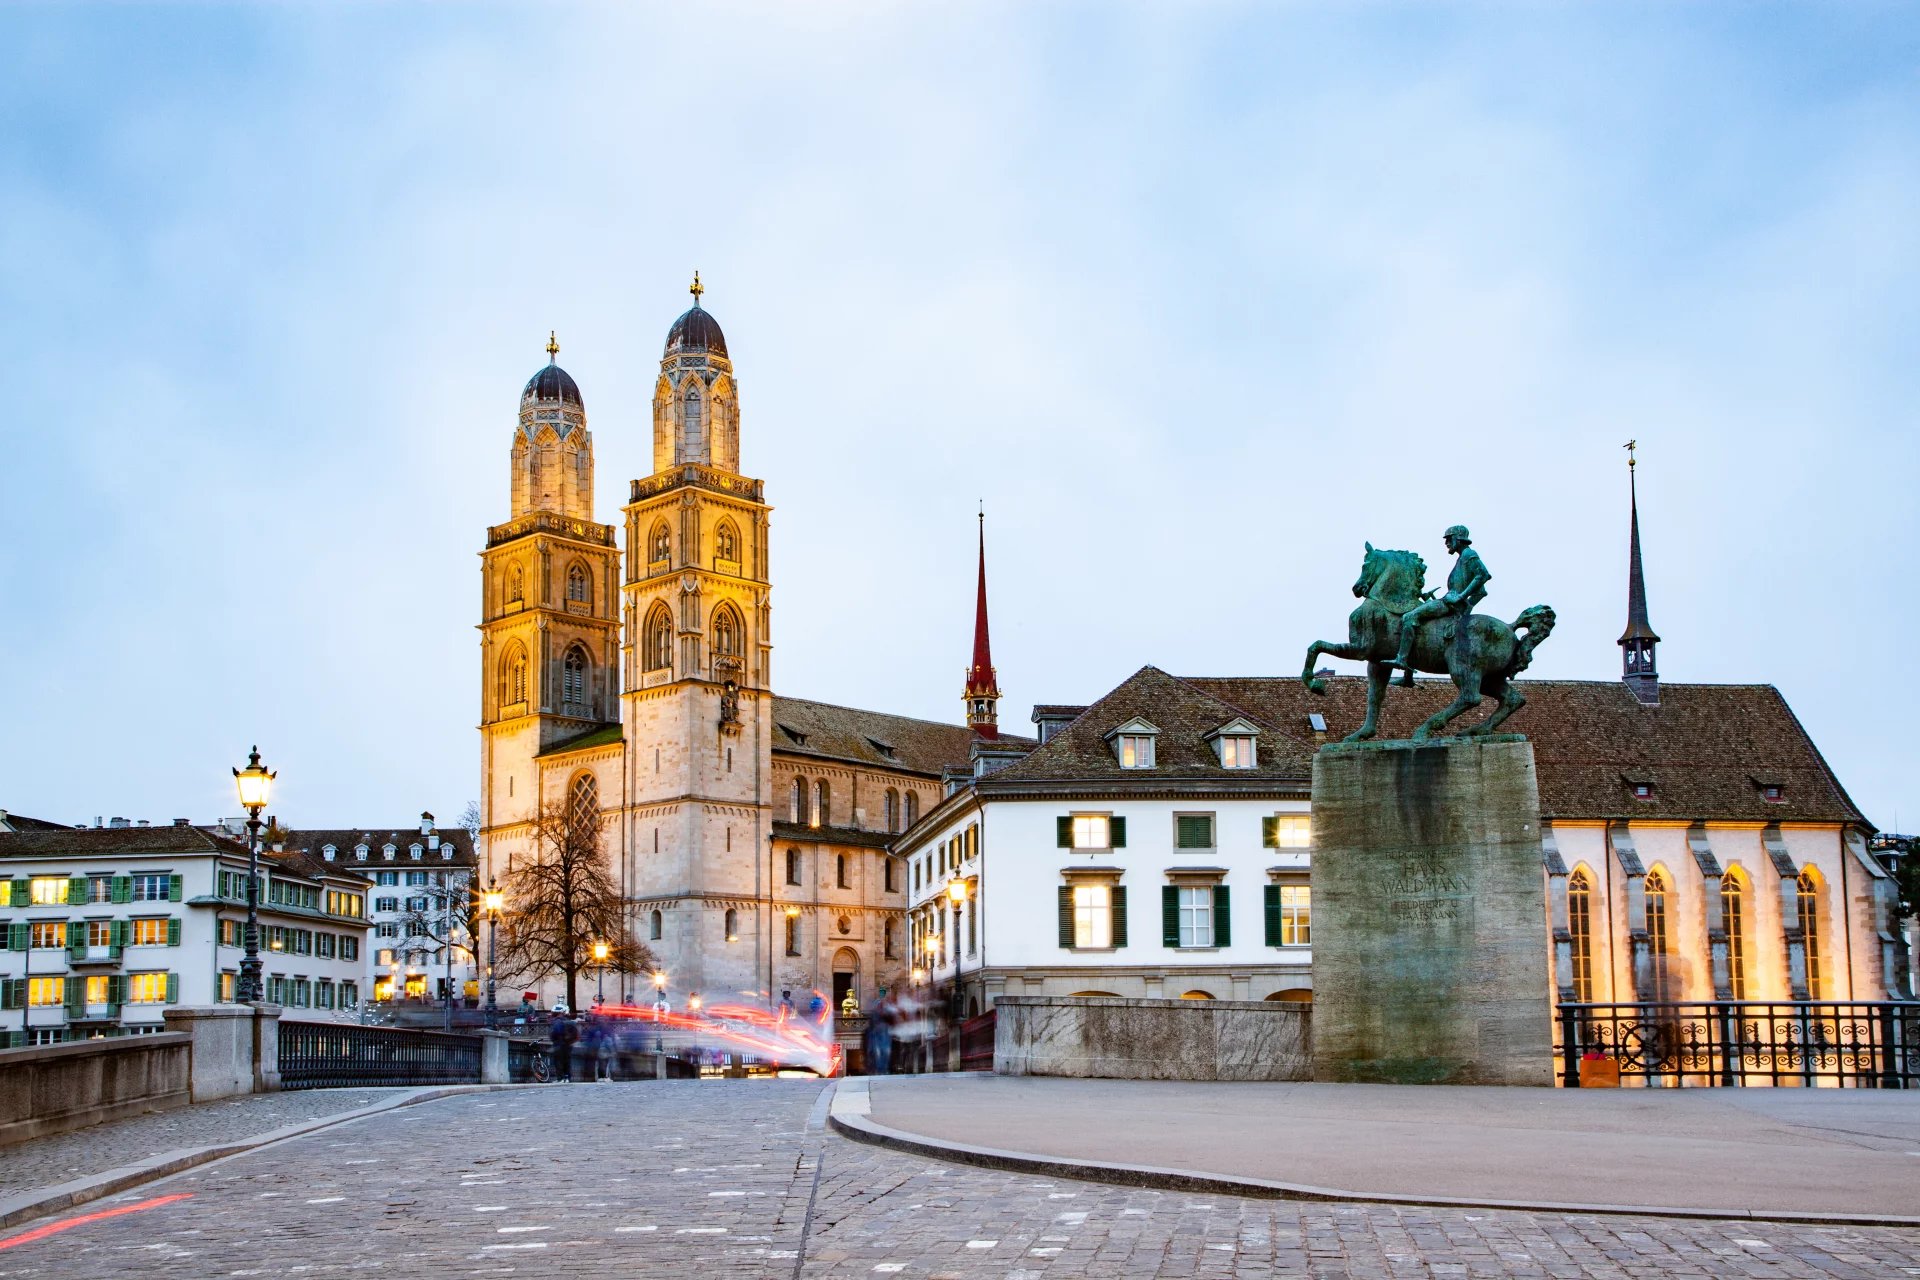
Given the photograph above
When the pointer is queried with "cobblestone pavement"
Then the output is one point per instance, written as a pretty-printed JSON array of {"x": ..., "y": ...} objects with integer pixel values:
[
  {"x": 720, "y": 1179},
  {"x": 62, "y": 1157}
]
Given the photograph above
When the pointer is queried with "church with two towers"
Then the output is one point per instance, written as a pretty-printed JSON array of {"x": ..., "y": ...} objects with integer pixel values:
[{"x": 747, "y": 831}]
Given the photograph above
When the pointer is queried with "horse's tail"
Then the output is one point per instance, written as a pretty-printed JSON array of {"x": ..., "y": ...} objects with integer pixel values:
[{"x": 1537, "y": 622}]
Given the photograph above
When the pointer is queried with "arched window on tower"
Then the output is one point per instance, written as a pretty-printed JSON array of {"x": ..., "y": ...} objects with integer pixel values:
[
  {"x": 726, "y": 541},
  {"x": 822, "y": 804},
  {"x": 797, "y": 803},
  {"x": 1809, "y": 899},
  {"x": 1580, "y": 930},
  {"x": 733, "y": 925},
  {"x": 690, "y": 442},
  {"x": 726, "y": 632},
  {"x": 1733, "y": 913},
  {"x": 892, "y": 810},
  {"x": 659, "y": 638},
  {"x": 579, "y": 586},
  {"x": 583, "y": 802},
  {"x": 573, "y": 679},
  {"x": 516, "y": 585},
  {"x": 513, "y": 676},
  {"x": 659, "y": 543},
  {"x": 655, "y": 926},
  {"x": 1657, "y": 936}
]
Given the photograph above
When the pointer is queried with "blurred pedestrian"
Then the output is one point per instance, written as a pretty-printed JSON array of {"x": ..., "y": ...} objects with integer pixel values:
[
  {"x": 596, "y": 1048},
  {"x": 879, "y": 1037},
  {"x": 563, "y": 1034}
]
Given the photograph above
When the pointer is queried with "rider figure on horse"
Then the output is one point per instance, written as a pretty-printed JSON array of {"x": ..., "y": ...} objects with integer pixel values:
[{"x": 1466, "y": 587}]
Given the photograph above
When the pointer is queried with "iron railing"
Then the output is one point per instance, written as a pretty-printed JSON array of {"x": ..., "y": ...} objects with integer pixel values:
[
  {"x": 528, "y": 1061},
  {"x": 1852, "y": 1043},
  {"x": 323, "y": 1055}
]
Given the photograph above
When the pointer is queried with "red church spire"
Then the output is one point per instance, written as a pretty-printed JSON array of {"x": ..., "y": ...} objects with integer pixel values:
[{"x": 983, "y": 688}]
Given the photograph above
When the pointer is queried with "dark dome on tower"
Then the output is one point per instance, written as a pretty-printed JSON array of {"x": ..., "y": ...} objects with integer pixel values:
[
  {"x": 553, "y": 383},
  {"x": 696, "y": 331}
]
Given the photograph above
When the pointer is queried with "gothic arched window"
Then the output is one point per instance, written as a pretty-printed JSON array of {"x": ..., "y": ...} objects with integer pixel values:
[
  {"x": 822, "y": 804},
  {"x": 726, "y": 541},
  {"x": 1580, "y": 930},
  {"x": 1733, "y": 914},
  {"x": 655, "y": 925},
  {"x": 892, "y": 809},
  {"x": 726, "y": 632},
  {"x": 583, "y": 801},
  {"x": 797, "y": 809},
  {"x": 659, "y": 640},
  {"x": 690, "y": 425},
  {"x": 513, "y": 676},
  {"x": 516, "y": 585},
  {"x": 1657, "y": 938},
  {"x": 733, "y": 925},
  {"x": 579, "y": 587},
  {"x": 912, "y": 809},
  {"x": 1809, "y": 899},
  {"x": 660, "y": 542},
  {"x": 573, "y": 678}
]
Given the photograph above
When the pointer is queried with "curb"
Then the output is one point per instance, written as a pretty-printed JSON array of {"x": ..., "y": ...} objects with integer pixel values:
[
  {"x": 849, "y": 1115},
  {"x": 44, "y": 1200}
]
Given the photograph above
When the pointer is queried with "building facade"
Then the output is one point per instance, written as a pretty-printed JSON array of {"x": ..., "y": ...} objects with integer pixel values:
[
  {"x": 106, "y": 927},
  {"x": 626, "y": 670}
]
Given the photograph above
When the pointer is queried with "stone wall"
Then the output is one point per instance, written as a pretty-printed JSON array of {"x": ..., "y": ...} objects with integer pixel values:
[
  {"x": 69, "y": 1086},
  {"x": 1153, "y": 1039}
]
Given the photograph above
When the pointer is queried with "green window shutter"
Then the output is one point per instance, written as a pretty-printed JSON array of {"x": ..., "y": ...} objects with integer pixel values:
[
  {"x": 1169, "y": 915},
  {"x": 1063, "y": 833},
  {"x": 1270, "y": 897},
  {"x": 173, "y": 932},
  {"x": 76, "y": 998},
  {"x": 76, "y": 891},
  {"x": 1193, "y": 831},
  {"x": 1066, "y": 913},
  {"x": 117, "y": 991},
  {"x": 123, "y": 889},
  {"x": 12, "y": 992},
  {"x": 22, "y": 894},
  {"x": 1117, "y": 832},
  {"x": 1119, "y": 915},
  {"x": 122, "y": 931},
  {"x": 173, "y": 988},
  {"x": 1222, "y": 917},
  {"x": 1270, "y": 833},
  {"x": 76, "y": 939},
  {"x": 18, "y": 935},
  {"x": 174, "y": 886}
]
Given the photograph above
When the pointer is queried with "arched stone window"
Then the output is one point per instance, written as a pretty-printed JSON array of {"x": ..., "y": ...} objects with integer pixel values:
[
  {"x": 1580, "y": 930},
  {"x": 656, "y": 924},
  {"x": 797, "y": 808},
  {"x": 659, "y": 638},
  {"x": 822, "y": 804},
  {"x": 840, "y": 871},
  {"x": 726, "y": 541},
  {"x": 793, "y": 866},
  {"x": 659, "y": 542},
  {"x": 912, "y": 810},
  {"x": 573, "y": 679},
  {"x": 516, "y": 585},
  {"x": 583, "y": 801},
  {"x": 691, "y": 447},
  {"x": 579, "y": 586},
  {"x": 733, "y": 925},
  {"x": 1733, "y": 913},
  {"x": 726, "y": 632},
  {"x": 513, "y": 675},
  {"x": 1658, "y": 940},
  {"x": 1809, "y": 898},
  {"x": 892, "y": 809}
]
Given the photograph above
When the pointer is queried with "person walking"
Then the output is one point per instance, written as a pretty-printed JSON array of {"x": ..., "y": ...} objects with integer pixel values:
[
  {"x": 880, "y": 1037},
  {"x": 596, "y": 1048},
  {"x": 563, "y": 1034}
]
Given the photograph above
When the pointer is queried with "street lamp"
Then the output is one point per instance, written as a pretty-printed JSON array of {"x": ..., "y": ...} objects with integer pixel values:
[
  {"x": 600, "y": 950},
  {"x": 254, "y": 783},
  {"x": 493, "y": 900}
]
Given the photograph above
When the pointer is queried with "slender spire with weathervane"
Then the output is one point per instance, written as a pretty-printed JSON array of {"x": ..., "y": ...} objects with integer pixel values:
[
  {"x": 1638, "y": 640},
  {"x": 983, "y": 686},
  {"x": 696, "y": 288},
  {"x": 553, "y": 346}
]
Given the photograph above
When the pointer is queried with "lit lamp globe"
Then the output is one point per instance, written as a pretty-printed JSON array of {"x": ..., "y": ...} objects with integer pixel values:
[
  {"x": 493, "y": 899},
  {"x": 956, "y": 891},
  {"x": 254, "y": 783},
  {"x": 599, "y": 953}
]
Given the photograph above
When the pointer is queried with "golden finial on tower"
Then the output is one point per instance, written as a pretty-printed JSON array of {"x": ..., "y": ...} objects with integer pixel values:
[
  {"x": 696, "y": 288},
  {"x": 1628, "y": 446},
  {"x": 553, "y": 346}
]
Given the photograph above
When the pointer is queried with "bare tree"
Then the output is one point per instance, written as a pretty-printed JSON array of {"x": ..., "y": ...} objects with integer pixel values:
[
  {"x": 440, "y": 925},
  {"x": 560, "y": 900}
]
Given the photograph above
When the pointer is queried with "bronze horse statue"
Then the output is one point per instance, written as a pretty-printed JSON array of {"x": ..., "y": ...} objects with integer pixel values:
[{"x": 1480, "y": 652}]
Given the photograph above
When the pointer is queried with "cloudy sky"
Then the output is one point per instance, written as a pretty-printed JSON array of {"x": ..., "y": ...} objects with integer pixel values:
[{"x": 1195, "y": 297}]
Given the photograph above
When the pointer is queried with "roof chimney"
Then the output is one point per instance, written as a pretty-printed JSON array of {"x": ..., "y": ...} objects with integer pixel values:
[
  {"x": 117, "y": 822},
  {"x": 183, "y": 822}
]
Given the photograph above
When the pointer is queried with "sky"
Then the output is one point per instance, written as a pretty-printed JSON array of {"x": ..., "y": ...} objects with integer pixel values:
[{"x": 1196, "y": 298}]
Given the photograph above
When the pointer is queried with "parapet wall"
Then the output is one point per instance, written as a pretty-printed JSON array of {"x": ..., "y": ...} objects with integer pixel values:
[
  {"x": 1120, "y": 1039},
  {"x": 69, "y": 1086}
]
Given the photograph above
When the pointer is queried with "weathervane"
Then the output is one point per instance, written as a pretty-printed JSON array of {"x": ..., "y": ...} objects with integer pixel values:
[
  {"x": 553, "y": 346},
  {"x": 1628, "y": 446},
  {"x": 696, "y": 288}
]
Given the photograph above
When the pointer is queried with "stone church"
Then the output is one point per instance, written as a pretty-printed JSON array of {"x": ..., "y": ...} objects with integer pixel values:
[{"x": 747, "y": 830}]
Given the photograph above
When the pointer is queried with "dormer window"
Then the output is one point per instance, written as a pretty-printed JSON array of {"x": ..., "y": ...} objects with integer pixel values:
[
  {"x": 327, "y": 853},
  {"x": 1233, "y": 743},
  {"x": 1643, "y": 791},
  {"x": 413, "y": 851},
  {"x": 387, "y": 853},
  {"x": 1133, "y": 744},
  {"x": 360, "y": 852},
  {"x": 1773, "y": 793}
]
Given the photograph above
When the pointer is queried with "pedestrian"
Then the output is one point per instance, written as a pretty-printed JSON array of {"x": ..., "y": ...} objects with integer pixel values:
[
  {"x": 879, "y": 1037},
  {"x": 817, "y": 1009},
  {"x": 594, "y": 1048},
  {"x": 562, "y": 1034}
]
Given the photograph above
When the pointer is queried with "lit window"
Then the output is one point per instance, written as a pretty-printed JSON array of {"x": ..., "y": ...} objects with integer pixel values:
[
  {"x": 1580, "y": 933},
  {"x": 1092, "y": 915},
  {"x": 146, "y": 988},
  {"x": 48, "y": 891},
  {"x": 46, "y": 991},
  {"x": 1809, "y": 904},
  {"x": 1196, "y": 915},
  {"x": 1657, "y": 939},
  {"x": 99, "y": 990},
  {"x": 1092, "y": 831},
  {"x": 1296, "y": 915},
  {"x": 99, "y": 933},
  {"x": 150, "y": 932},
  {"x": 49, "y": 933},
  {"x": 1135, "y": 750},
  {"x": 1236, "y": 752},
  {"x": 1288, "y": 831},
  {"x": 1733, "y": 915}
]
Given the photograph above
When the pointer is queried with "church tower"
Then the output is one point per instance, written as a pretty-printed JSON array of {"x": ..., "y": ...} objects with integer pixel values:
[
  {"x": 697, "y": 679},
  {"x": 982, "y": 693},
  {"x": 1637, "y": 642},
  {"x": 549, "y": 582}
]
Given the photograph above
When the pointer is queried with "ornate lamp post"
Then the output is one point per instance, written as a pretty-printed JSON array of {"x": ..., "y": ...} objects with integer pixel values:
[
  {"x": 600, "y": 951},
  {"x": 493, "y": 900},
  {"x": 254, "y": 783}
]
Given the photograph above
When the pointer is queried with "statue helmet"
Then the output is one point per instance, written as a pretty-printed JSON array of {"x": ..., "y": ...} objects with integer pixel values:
[{"x": 1458, "y": 531}]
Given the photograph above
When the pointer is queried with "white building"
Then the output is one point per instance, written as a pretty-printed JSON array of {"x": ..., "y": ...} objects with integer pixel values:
[
  {"x": 418, "y": 908},
  {"x": 107, "y": 926}
]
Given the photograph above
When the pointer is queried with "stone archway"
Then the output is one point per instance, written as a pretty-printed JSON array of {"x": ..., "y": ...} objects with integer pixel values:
[{"x": 846, "y": 977}]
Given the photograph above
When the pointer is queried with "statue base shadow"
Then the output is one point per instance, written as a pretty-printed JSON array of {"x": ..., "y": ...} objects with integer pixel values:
[{"x": 1429, "y": 916}]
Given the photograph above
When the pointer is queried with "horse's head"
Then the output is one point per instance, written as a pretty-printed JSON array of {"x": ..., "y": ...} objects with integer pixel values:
[
  {"x": 1370, "y": 566},
  {"x": 1391, "y": 577}
]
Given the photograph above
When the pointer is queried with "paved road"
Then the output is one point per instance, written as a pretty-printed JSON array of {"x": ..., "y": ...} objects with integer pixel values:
[{"x": 721, "y": 1179}]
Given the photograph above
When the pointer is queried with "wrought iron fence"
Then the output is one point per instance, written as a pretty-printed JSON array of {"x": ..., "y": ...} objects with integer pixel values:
[
  {"x": 325, "y": 1055},
  {"x": 1853, "y": 1043},
  {"x": 528, "y": 1062}
]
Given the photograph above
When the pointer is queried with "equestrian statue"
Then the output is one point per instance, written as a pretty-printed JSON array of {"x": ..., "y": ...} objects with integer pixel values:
[{"x": 1400, "y": 624}]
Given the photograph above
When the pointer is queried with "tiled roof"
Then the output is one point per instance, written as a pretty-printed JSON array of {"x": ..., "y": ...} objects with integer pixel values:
[
  {"x": 1706, "y": 750},
  {"x": 302, "y": 863},
  {"x": 71, "y": 842},
  {"x": 600, "y": 736},
  {"x": 845, "y": 733},
  {"x": 21, "y": 822},
  {"x": 801, "y": 833},
  {"x": 345, "y": 839}
]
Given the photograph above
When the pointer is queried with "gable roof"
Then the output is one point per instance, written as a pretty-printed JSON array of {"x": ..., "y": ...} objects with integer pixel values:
[
  {"x": 94, "y": 842},
  {"x": 828, "y": 732},
  {"x": 21, "y": 822},
  {"x": 344, "y": 839},
  {"x": 1706, "y": 750}
]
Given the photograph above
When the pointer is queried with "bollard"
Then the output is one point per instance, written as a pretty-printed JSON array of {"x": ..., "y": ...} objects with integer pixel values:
[{"x": 659, "y": 1066}]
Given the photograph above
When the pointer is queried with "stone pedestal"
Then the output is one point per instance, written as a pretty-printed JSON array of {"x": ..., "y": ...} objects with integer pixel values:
[{"x": 1429, "y": 916}]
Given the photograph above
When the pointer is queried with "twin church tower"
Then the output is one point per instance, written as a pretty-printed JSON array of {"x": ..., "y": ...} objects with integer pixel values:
[{"x": 746, "y": 831}]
